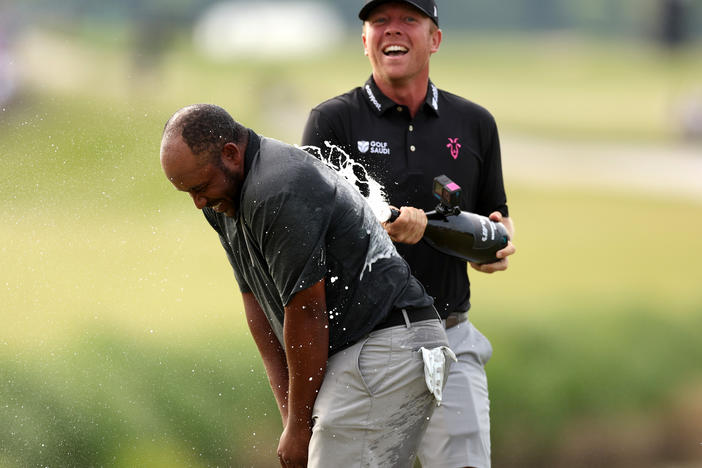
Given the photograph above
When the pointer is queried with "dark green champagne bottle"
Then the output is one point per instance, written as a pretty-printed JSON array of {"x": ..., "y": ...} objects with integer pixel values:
[{"x": 465, "y": 235}]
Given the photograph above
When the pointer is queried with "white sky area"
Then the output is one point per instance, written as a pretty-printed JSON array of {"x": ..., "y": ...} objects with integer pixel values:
[{"x": 267, "y": 29}]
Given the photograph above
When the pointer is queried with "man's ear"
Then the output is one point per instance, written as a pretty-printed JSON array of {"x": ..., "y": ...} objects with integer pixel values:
[
  {"x": 232, "y": 157},
  {"x": 435, "y": 41}
]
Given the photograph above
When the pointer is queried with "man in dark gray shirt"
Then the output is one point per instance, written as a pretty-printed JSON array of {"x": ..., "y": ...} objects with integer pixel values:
[{"x": 337, "y": 317}]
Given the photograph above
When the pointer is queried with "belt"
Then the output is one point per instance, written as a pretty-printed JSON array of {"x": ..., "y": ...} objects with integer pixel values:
[
  {"x": 455, "y": 318},
  {"x": 396, "y": 317}
]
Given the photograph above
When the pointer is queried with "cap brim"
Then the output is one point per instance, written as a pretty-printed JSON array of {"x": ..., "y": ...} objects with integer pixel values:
[
  {"x": 368, "y": 7},
  {"x": 365, "y": 11}
]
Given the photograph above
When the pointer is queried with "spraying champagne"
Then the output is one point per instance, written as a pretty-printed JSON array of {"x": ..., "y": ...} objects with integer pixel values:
[{"x": 465, "y": 235}]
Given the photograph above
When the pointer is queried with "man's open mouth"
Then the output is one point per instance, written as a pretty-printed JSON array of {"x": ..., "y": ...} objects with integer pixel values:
[{"x": 394, "y": 50}]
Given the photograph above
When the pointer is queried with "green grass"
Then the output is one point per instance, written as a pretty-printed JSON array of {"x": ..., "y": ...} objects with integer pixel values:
[
  {"x": 548, "y": 374},
  {"x": 123, "y": 339},
  {"x": 110, "y": 399},
  {"x": 602, "y": 248},
  {"x": 555, "y": 85}
]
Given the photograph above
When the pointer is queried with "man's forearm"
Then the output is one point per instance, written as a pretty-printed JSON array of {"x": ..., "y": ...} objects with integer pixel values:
[
  {"x": 271, "y": 352},
  {"x": 306, "y": 335},
  {"x": 509, "y": 224}
]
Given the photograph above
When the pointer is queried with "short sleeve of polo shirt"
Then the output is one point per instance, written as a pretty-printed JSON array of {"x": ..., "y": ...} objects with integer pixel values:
[
  {"x": 324, "y": 126},
  {"x": 313, "y": 134},
  {"x": 491, "y": 191},
  {"x": 243, "y": 286},
  {"x": 287, "y": 228}
]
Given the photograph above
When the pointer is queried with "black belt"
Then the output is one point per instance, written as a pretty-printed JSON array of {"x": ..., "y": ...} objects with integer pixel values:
[{"x": 396, "y": 317}]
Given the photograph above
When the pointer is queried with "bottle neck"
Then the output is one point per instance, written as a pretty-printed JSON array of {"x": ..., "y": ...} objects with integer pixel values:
[{"x": 445, "y": 210}]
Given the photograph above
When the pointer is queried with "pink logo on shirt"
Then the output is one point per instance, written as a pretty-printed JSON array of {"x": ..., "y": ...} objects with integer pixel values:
[{"x": 454, "y": 146}]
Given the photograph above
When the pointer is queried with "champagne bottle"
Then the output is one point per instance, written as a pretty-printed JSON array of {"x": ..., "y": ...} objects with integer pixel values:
[{"x": 465, "y": 235}]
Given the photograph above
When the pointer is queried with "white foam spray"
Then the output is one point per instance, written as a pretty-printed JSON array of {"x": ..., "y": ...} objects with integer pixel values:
[
  {"x": 354, "y": 172},
  {"x": 336, "y": 158}
]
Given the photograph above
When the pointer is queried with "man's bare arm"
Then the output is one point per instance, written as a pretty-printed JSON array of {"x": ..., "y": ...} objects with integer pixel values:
[
  {"x": 271, "y": 351},
  {"x": 306, "y": 332}
]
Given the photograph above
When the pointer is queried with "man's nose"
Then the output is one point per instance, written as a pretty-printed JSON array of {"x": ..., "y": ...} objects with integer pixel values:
[
  {"x": 393, "y": 27},
  {"x": 199, "y": 200}
]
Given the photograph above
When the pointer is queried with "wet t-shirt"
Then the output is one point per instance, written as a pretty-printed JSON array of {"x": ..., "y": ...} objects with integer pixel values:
[{"x": 298, "y": 222}]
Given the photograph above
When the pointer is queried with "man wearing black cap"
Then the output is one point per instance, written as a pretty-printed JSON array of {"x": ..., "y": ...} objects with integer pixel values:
[{"x": 405, "y": 131}]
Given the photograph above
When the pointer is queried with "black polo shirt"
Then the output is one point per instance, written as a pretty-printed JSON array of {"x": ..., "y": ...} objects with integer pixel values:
[{"x": 449, "y": 135}]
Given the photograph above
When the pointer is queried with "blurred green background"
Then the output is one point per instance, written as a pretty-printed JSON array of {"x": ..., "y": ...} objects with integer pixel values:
[{"x": 123, "y": 341}]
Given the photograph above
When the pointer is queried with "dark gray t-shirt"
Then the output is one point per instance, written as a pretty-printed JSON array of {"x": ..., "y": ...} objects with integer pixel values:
[{"x": 298, "y": 222}]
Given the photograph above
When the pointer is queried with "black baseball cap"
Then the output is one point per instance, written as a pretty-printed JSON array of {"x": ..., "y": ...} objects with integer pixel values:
[{"x": 428, "y": 7}]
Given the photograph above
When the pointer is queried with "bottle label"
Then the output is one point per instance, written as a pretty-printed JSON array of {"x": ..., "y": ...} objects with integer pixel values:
[{"x": 487, "y": 232}]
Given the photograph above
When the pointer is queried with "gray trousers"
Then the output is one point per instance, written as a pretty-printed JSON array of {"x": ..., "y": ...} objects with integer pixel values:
[
  {"x": 374, "y": 405},
  {"x": 459, "y": 431}
]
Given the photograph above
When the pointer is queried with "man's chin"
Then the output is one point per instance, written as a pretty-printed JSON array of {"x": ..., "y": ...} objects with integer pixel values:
[
  {"x": 229, "y": 211},
  {"x": 225, "y": 208}
]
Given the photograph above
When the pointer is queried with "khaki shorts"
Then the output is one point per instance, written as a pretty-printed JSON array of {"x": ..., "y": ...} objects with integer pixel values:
[
  {"x": 374, "y": 405},
  {"x": 459, "y": 432}
]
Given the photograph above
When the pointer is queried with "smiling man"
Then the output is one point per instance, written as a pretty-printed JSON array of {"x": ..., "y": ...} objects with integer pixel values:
[
  {"x": 342, "y": 326},
  {"x": 405, "y": 131}
]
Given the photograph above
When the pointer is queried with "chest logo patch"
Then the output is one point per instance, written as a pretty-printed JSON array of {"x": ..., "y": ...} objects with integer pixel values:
[
  {"x": 375, "y": 147},
  {"x": 454, "y": 146}
]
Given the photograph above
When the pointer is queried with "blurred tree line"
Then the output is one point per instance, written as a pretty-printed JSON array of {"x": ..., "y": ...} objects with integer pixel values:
[{"x": 632, "y": 18}]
